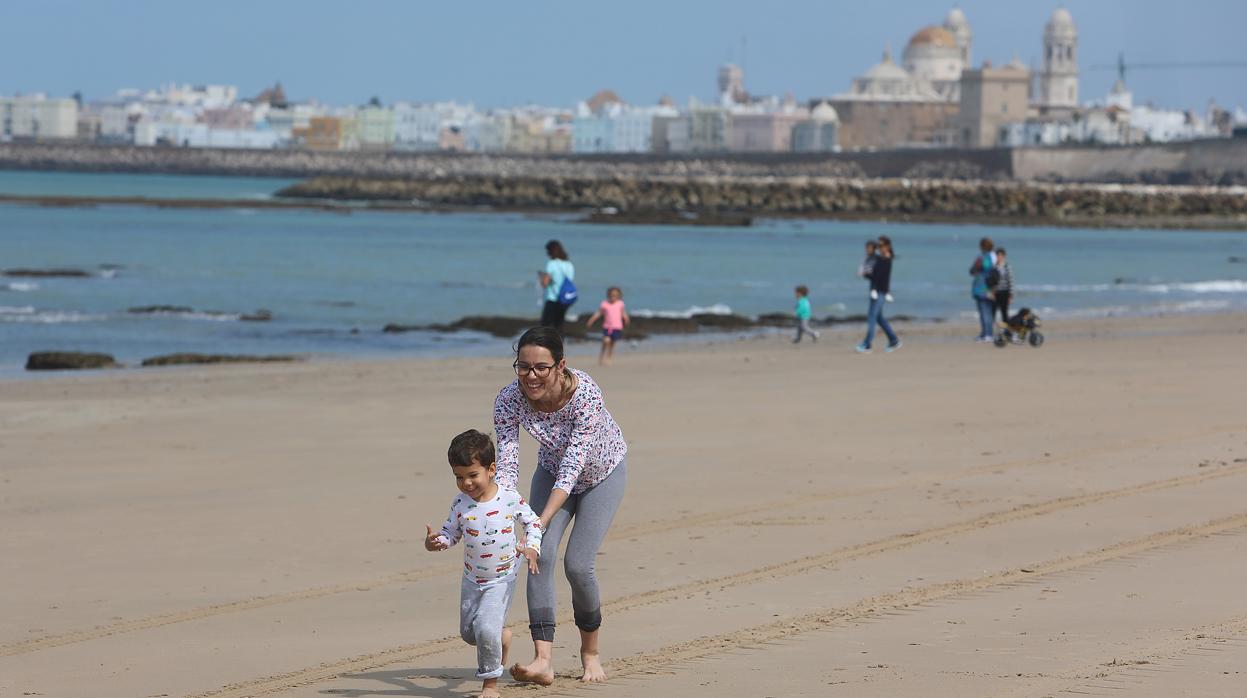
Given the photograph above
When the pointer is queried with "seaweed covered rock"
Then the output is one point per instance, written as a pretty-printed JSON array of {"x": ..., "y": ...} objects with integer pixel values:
[
  {"x": 192, "y": 359},
  {"x": 69, "y": 361}
]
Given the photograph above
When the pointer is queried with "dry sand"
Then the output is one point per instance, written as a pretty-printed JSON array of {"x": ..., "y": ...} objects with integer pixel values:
[{"x": 948, "y": 520}]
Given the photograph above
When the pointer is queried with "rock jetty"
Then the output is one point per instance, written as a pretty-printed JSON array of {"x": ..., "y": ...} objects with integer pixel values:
[{"x": 999, "y": 202}]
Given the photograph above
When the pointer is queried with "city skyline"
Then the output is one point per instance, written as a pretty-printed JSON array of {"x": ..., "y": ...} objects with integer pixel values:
[{"x": 400, "y": 51}]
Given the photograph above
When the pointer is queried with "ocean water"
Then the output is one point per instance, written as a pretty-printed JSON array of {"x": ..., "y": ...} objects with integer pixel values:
[{"x": 333, "y": 280}]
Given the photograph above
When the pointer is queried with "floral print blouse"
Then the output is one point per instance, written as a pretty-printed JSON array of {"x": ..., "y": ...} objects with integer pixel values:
[{"x": 580, "y": 444}]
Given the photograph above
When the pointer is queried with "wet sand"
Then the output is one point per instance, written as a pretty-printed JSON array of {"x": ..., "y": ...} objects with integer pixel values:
[{"x": 949, "y": 520}]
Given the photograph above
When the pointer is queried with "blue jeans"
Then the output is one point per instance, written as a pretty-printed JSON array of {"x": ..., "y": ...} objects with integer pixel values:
[
  {"x": 875, "y": 315},
  {"x": 987, "y": 312}
]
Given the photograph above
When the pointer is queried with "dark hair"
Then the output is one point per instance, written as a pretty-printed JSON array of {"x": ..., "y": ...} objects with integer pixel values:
[
  {"x": 1001, "y": 250},
  {"x": 547, "y": 337},
  {"x": 554, "y": 248},
  {"x": 986, "y": 244},
  {"x": 471, "y": 447},
  {"x": 615, "y": 288},
  {"x": 872, "y": 244},
  {"x": 803, "y": 290}
]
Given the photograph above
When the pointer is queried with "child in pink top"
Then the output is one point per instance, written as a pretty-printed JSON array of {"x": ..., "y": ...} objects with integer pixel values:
[{"x": 614, "y": 319}]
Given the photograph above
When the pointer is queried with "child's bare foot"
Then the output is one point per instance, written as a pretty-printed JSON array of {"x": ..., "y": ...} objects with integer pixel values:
[
  {"x": 539, "y": 672},
  {"x": 593, "y": 668},
  {"x": 490, "y": 692}
]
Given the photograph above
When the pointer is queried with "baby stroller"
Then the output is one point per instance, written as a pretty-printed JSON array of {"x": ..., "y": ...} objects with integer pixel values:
[{"x": 1020, "y": 329}]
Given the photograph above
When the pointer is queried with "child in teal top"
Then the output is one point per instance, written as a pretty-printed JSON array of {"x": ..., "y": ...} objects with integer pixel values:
[{"x": 803, "y": 314}]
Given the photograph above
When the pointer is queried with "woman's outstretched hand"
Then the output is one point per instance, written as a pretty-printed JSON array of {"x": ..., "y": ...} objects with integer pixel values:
[{"x": 434, "y": 542}]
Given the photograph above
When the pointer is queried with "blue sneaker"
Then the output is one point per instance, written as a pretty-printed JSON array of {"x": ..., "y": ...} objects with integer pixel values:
[
  {"x": 862, "y": 349},
  {"x": 893, "y": 347}
]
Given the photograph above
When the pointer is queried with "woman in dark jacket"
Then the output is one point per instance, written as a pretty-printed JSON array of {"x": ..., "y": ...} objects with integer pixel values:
[{"x": 880, "y": 293}]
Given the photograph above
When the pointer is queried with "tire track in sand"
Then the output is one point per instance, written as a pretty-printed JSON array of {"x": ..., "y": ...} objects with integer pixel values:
[
  {"x": 884, "y": 604},
  {"x": 687, "y": 521},
  {"x": 410, "y": 653}
]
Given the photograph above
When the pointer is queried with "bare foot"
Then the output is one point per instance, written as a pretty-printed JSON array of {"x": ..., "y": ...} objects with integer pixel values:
[
  {"x": 491, "y": 692},
  {"x": 539, "y": 672},
  {"x": 593, "y": 668}
]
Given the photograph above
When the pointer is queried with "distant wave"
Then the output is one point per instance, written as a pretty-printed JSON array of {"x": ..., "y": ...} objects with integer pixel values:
[
  {"x": 716, "y": 309},
  {"x": 194, "y": 315},
  {"x": 21, "y": 286},
  {"x": 485, "y": 284},
  {"x": 1212, "y": 286},
  {"x": 47, "y": 317}
]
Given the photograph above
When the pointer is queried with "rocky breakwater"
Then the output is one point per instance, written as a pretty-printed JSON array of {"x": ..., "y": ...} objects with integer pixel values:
[{"x": 1009, "y": 203}]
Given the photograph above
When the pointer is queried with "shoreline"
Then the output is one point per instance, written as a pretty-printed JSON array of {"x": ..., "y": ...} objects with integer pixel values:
[
  {"x": 590, "y": 214},
  {"x": 844, "y": 335}
]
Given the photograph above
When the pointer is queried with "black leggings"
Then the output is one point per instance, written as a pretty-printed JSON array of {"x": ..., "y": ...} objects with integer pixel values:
[
  {"x": 1002, "y": 304},
  {"x": 552, "y": 314}
]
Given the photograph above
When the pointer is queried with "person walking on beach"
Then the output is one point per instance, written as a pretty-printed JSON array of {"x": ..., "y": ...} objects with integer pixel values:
[
  {"x": 487, "y": 518},
  {"x": 1002, "y": 290},
  {"x": 614, "y": 319},
  {"x": 556, "y": 280},
  {"x": 803, "y": 314},
  {"x": 981, "y": 291},
  {"x": 580, "y": 476},
  {"x": 880, "y": 294}
]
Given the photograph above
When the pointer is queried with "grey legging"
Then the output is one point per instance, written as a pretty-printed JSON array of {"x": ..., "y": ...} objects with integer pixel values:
[{"x": 593, "y": 511}]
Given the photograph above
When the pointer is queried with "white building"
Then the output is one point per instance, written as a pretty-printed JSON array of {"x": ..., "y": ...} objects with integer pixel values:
[
  {"x": 208, "y": 96},
  {"x": 35, "y": 117},
  {"x": 419, "y": 127},
  {"x": 150, "y": 133},
  {"x": 819, "y": 133},
  {"x": 616, "y": 128}
]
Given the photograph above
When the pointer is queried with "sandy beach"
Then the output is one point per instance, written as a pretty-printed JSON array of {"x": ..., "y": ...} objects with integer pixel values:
[{"x": 949, "y": 520}]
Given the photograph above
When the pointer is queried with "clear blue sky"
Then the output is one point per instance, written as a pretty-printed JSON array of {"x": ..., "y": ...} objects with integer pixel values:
[{"x": 556, "y": 52}]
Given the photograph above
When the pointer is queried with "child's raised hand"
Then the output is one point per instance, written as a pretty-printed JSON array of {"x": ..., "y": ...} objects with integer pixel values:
[
  {"x": 532, "y": 559},
  {"x": 434, "y": 542}
]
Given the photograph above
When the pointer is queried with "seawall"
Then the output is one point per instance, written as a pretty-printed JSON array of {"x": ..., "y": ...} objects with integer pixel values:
[{"x": 1010, "y": 203}]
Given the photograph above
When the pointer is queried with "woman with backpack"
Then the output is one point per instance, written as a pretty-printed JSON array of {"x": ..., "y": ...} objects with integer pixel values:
[
  {"x": 981, "y": 288},
  {"x": 557, "y": 280}
]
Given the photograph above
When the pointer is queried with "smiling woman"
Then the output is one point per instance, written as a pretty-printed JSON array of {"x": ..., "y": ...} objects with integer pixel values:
[{"x": 580, "y": 475}]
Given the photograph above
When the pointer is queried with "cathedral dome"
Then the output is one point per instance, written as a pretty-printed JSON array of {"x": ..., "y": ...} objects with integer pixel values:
[
  {"x": 933, "y": 36},
  {"x": 824, "y": 112},
  {"x": 886, "y": 70}
]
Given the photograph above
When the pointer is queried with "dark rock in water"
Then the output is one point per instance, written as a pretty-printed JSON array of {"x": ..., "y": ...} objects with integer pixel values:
[
  {"x": 337, "y": 304},
  {"x": 260, "y": 315},
  {"x": 68, "y": 360},
  {"x": 1237, "y": 260},
  {"x": 45, "y": 273},
  {"x": 640, "y": 327},
  {"x": 151, "y": 309},
  {"x": 185, "y": 359}
]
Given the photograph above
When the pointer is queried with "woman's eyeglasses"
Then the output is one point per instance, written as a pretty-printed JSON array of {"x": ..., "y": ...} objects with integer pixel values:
[{"x": 540, "y": 370}]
